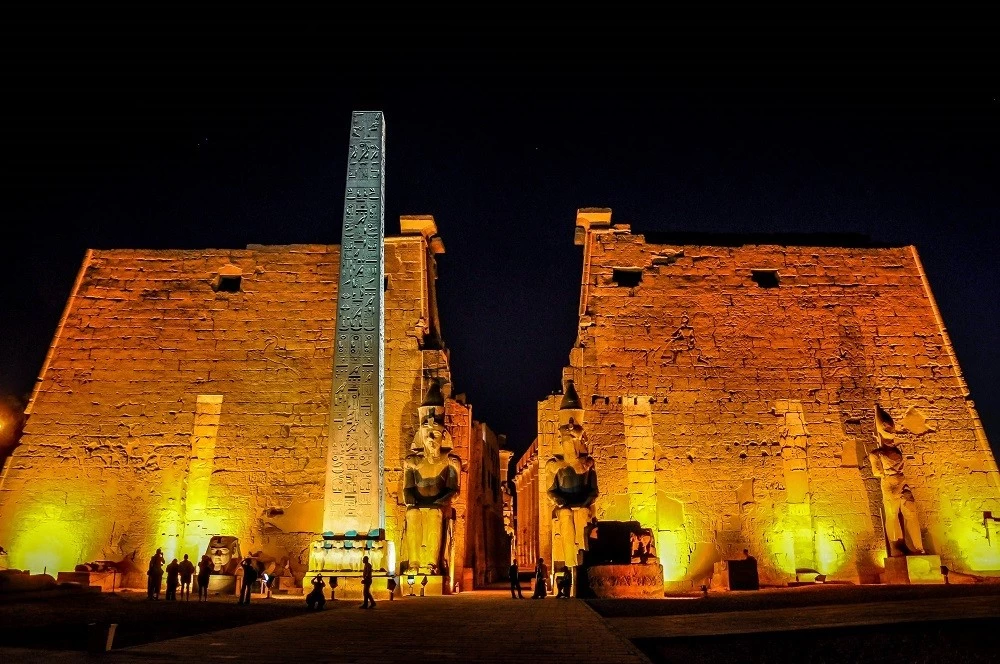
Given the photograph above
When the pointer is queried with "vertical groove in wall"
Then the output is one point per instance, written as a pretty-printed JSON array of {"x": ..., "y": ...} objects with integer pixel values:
[{"x": 201, "y": 463}]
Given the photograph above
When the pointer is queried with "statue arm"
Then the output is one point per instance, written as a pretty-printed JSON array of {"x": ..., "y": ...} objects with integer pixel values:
[
  {"x": 592, "y": 491},
  {"x": 876, "y": 464},
  {"x": 555, "y": 495},
  {"x": 410, "y": 494},
  {"x": 451, "y": 485}
]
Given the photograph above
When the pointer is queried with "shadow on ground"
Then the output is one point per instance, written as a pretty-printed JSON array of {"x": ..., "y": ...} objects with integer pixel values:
[
  {"x": 60, "y": 623},
  {"x": 968, "y": 640},
  {"x": 783, "y": 598}
]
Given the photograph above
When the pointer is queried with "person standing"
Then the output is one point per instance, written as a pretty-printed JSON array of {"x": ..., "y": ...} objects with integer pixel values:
[
  {"x": 515, "y": 580},
  {"x": 205, "y": 569},
  {"x": 541, "y": 574},
  {"x": 155, "y": 575},
  {"x": 249, "y": 578},
  {"x": 187, "y": 572},
  {"x": 366, "y": 584},
  {"x": 173, "y": 579}
]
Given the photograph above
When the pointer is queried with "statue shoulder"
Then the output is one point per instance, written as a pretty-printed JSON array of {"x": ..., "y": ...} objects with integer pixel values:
[
  {"x": 555, "y": 463},
  {"x": 412, "y": 461}
]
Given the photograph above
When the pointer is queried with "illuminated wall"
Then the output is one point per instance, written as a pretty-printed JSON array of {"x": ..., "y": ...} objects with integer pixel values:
[
  {"x": 170, "y": 408},
  {"x": 760, "y": 399}
]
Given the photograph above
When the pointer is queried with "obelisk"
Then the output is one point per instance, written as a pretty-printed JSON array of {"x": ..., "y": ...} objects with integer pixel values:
[{"x": 354, "y": 460}]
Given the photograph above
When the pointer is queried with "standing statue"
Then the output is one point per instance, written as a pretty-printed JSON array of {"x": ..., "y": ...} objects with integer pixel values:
[
  {"x": 897, "y": 499},
  {"x": 574, "y": 482},
  {"x": 431, "y": 480}
]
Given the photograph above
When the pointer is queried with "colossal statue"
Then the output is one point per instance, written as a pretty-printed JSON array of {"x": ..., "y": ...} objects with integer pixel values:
[
  {"x": 224, "y": 550},
  {"x": 573, "y": 487},
  {"x": 430, "y": 481},
  {"x": 897, "y": 499}
]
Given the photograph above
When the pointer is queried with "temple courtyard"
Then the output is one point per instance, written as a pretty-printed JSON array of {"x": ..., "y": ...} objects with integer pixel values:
[{"x": 810, "y": 624}]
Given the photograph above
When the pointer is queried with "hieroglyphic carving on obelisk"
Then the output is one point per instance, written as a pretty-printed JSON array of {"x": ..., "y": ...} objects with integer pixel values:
[{"x": 354, "y": 460}]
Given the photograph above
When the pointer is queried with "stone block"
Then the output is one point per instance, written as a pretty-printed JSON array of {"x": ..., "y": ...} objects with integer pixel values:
[
  {"x": 924, "y": 569},
  {"x": 616, "y": 581}
]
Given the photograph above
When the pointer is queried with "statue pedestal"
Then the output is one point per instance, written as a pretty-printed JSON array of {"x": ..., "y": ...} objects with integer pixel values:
[
  {"x": 436, "y": 586},
  {"x": 645, "y": 581},
  {"x": 904, "y": 570},
  {"x": 222, "y": 584}
]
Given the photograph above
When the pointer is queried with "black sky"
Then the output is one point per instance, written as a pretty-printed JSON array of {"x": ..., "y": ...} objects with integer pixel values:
[{"x": 181, "y": 132}]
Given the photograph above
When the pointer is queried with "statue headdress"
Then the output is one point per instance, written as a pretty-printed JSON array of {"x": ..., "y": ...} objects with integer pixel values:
[
  {"x": 433, "y": 403},
  {"x": 884, "y": 425},
  {"x": 570, "y": 408}
]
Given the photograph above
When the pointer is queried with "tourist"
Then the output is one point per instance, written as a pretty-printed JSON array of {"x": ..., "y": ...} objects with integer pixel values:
[
  {"x": 187, "y": 572},
  {"x": 265, "y": 584},
  {"x": 249, "y": 578},
  {"x": 155, "y": 575},
  {"x": 565, "y": 583},
  {"x": 205, "y": 569},
  {"x": 515, "y": 580},
  {"x": 315, "y": 599},
  {"x": 391, "y": 585},
  {"x": 173, "y": 579},
  {"x": 541, "y": 574},
  {"x": 366, "y": 584}
]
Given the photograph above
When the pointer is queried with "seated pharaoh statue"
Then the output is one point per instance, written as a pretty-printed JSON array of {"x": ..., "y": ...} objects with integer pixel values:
[
  {"x": 897, "y": 499},
  {"x": 430, "y": 480},
  {"x": 574, "y": 482}
]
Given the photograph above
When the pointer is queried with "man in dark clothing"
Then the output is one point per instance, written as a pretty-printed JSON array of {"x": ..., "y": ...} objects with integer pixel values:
[
  {"x": 366, "y": 584},
  {"x": 187, "y": 571},
  {"x": 315, "y": 599},
  {"x": 155, "y": 575},
  {"x": 565, "y": 583},
  {"x": 249, "y": 579},
  {"x": 173, "y": 579},
  {"x": 205, "y": 569},
  {"x": 541, "y": 576},
  {"x": 515, "y": 581}
]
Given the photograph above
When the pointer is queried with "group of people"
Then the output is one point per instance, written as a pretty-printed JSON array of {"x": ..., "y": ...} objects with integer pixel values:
[
  {"x": 179, "y": 574},
  {"x": 564, "y": 584}
]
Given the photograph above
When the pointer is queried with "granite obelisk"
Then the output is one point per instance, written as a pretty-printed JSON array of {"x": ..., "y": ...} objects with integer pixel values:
[{"x": 354, "y": 461}]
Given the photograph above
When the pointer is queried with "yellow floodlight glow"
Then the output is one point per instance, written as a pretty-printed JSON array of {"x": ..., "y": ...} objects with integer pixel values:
[
  {"x": 671, "y": 549},
  {"x": 831, "y": 552},
  {"x": 980, "y": 547},
  {"x": 47, "y": 541}
]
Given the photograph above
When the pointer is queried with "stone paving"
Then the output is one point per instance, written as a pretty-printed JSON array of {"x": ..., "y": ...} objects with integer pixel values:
[
  {"x": 484, "y": 626},
  {"x": 487, "y": 626}
]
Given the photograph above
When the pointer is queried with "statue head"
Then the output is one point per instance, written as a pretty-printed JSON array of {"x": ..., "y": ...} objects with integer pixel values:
[
  {"x": 571, "y": 422},
  {"x": 432, "y": 438},
  {"x": 885, "y": 428}
]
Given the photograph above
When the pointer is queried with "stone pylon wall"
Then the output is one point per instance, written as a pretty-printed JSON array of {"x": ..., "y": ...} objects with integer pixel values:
[
  {"x": 760, "y": 402},
  {"x": 167, "y": 410}
]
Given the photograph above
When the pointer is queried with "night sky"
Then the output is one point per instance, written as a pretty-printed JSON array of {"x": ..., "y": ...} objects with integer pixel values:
[{"x": 164, "y": 134}]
